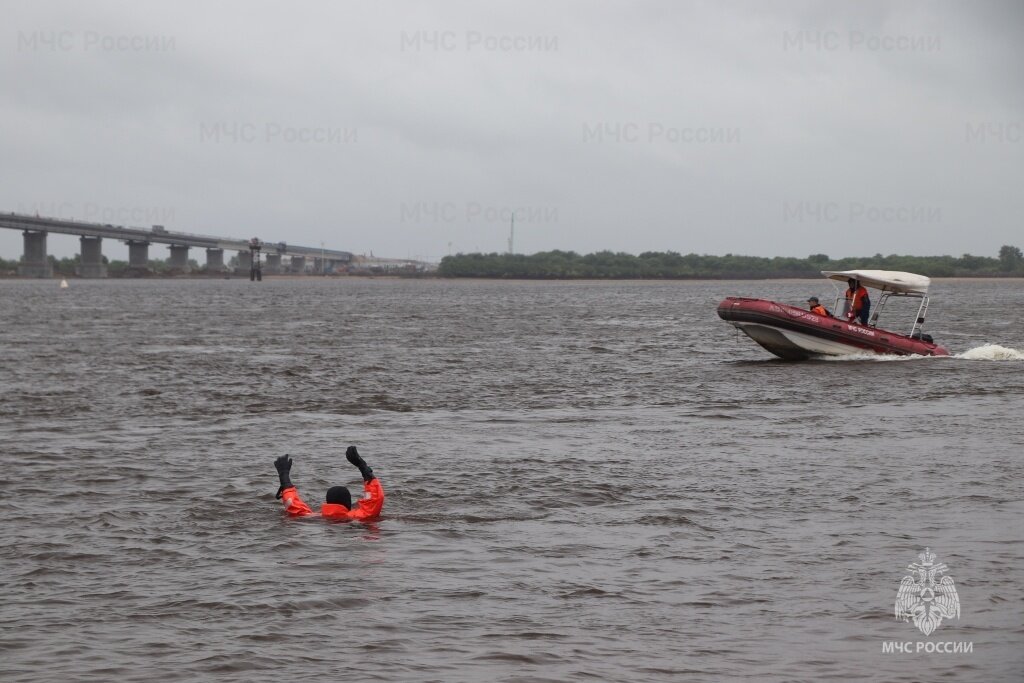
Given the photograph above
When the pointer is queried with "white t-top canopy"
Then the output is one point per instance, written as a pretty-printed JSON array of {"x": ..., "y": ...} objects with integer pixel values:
[{"x": 885, "y": 280}]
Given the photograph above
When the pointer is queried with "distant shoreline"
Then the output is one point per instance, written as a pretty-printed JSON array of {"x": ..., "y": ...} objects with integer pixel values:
[
  {"x": 671, "y": 265},
  {"x": 441, "y": 278},
  {"x": 570, "y": 266}
]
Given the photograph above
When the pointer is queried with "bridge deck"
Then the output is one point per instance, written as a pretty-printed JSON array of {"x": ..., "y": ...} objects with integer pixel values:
[{"x": 16, "y": 221}]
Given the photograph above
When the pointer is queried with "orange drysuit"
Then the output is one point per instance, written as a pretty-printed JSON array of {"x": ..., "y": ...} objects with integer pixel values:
[{"x": 367, "y": 507}]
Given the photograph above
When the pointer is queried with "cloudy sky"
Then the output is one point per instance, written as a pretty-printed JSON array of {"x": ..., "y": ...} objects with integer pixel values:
[{"x": 412, "y": 129}]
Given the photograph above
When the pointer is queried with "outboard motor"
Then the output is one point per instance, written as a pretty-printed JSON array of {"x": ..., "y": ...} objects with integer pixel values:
[{"x": 927, "y": 338}]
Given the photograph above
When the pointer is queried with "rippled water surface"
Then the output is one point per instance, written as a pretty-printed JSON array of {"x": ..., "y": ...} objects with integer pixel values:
[{"x": 585, "y": 481}]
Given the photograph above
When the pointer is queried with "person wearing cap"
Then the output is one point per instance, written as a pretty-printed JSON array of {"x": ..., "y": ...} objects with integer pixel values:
[
  {"x": 816, "y": 307},
  {"x": 338, "y": 505},
  {"x": 859, "y": 302}
]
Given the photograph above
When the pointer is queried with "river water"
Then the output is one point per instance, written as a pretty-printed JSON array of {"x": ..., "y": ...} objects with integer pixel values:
[{"x": 585, "y": 481}]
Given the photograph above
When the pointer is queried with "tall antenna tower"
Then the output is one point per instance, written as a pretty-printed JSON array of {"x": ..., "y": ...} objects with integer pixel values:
[{"x": 512, "y": 235}]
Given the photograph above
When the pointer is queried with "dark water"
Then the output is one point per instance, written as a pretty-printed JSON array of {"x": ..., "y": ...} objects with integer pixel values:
[{"x": 585, "y": 482}]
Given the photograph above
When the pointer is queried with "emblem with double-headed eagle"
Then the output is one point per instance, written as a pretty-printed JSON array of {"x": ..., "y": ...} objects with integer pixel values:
[{"x": 924, "y": 599}]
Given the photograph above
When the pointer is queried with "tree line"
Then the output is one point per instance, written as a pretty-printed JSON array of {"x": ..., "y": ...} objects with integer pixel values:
[
  {"x": 667, "y": 265},
  {"x": 673, "y": 265},
  {"x": 68, "y": 267}
]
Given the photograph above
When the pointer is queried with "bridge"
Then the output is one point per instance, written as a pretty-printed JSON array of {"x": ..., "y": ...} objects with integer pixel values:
[{"x": 34, "y": 262}]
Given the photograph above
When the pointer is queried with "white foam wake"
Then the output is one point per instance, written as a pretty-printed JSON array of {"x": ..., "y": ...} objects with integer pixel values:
[
  {"x": 869, "y": 356},
  {"x": 991, "y": 352}
]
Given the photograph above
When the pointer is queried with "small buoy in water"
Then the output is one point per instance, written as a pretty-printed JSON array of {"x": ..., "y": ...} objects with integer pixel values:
[{"x": 63, "y": 284}]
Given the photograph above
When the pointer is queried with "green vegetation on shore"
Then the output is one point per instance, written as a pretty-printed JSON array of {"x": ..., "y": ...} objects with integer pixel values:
[
  {"x": 668, "y": 265},
  {"x": 68, "y": 267},
  {"x": 671, "y": 265}
]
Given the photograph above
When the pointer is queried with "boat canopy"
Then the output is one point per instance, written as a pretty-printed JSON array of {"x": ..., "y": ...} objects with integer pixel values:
[{"x": 886, "y": 280}]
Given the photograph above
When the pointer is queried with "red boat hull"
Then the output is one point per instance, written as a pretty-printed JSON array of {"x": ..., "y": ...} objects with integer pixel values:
[{"x": 797, "y": 334}]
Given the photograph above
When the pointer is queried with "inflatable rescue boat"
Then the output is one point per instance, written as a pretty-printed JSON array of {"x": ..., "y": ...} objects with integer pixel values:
[{"x": 798, "y": 334}]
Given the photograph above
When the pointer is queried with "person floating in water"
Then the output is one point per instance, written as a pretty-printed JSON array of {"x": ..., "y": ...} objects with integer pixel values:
[
  {"x": 816, "y": 307},
  {"x": 859, "y": 302},
  {"x": 339, "y": 500}
]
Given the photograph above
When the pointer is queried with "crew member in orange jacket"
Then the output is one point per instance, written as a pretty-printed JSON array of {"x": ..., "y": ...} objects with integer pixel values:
[
  {"x": 339, "y": 501},
  {"x": 816, "y": 307},
  {"x": 860, "y": 302}
]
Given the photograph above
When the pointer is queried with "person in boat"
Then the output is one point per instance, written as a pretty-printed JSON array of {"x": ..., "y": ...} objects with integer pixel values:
[
  {"x": 339, "y": 500},
  {"x": 859, "y": 302},
  {"x": 816, "y": 307}
]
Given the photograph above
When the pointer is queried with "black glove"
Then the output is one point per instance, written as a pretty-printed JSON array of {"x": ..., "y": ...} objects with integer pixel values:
[
  {"x": 352, "y": 455},
  {"x": 284, "y": 467}
]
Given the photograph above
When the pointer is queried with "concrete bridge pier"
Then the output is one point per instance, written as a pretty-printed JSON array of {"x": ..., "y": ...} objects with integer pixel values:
[
  {"x": 244, "y": 263},
  {"x": 273, "y": 264},
  {"x": 179, "y": 258},
  {"x": 92, "y": 264},
  {"x": 215, "y": 260},
  {"x": 298, "y": 264},
  {"x": 35, "y": 263},
  {"x": 138, "y": 254}
]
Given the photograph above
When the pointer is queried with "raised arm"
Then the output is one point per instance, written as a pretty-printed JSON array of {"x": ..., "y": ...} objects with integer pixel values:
[
  {"x": 372, "y": 502},
  {"x": 289, "y": 495}
]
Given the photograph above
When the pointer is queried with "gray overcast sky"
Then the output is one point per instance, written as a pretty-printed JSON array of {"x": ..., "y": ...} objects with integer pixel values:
[{"x": 769, "y": 128}]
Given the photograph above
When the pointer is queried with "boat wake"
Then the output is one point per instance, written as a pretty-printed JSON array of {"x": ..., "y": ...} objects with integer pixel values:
[
  {"x": 991, "y": 352},
  {"x": 873, "y": 357},
  {"x": 983, "y": 352}
]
